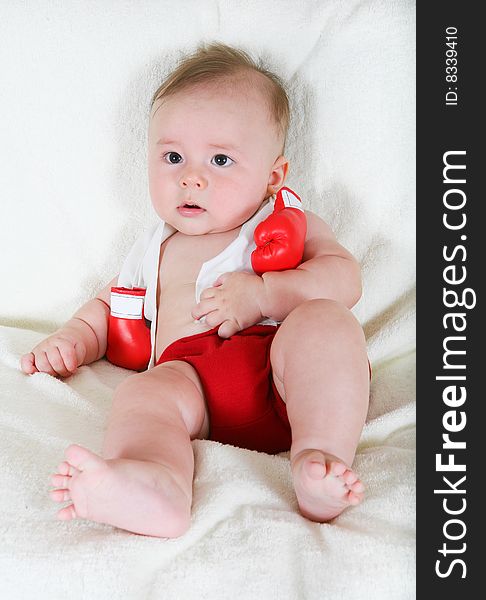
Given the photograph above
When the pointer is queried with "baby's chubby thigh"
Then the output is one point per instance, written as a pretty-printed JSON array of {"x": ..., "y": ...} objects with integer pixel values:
[
  {"x": 317, "y": 340},
  {"x": 320, "y": 369}
]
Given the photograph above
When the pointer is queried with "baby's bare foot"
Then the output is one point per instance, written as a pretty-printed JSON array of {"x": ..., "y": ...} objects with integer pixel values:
[
  {"x": 324, "y": 485},
  {"x": 139, "y": 496}
]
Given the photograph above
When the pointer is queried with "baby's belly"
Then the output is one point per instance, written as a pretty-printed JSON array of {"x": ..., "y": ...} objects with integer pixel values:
[{"x": 174, "y": 319}]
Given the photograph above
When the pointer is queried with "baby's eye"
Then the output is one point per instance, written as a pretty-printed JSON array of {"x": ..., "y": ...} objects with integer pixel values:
[
  {"x": 173, "y": 157},
  {"x": 221, "y": 160}
]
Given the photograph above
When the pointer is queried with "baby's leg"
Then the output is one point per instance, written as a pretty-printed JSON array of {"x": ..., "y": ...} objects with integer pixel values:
[
  {"x": 143, "y": 483},
  {"x": 320, "y": 369}
]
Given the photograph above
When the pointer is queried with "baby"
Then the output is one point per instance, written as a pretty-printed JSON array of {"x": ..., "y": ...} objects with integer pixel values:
[{"x": 270, "y": 363}]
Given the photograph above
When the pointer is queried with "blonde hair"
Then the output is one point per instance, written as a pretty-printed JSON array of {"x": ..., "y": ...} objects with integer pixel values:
[{"x": 218, "y": 62}]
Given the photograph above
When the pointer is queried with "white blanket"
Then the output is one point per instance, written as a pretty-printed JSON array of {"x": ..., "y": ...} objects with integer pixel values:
[{"x": 77, "y": 78}]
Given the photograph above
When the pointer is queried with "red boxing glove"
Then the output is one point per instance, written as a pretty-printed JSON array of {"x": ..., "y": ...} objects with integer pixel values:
[
  {"x": 280, "y": 237},
  {"x": 129, "y": 344}
]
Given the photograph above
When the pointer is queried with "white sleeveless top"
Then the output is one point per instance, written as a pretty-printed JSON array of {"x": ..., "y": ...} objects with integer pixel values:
[{"x": 141, "y": 266}]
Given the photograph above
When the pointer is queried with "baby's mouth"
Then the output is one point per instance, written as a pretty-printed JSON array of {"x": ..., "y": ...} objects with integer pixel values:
[{"x": 189, "y": 209}]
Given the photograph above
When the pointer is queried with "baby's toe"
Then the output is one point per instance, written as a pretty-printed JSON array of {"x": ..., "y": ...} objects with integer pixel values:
[
  {"x": 66, "y": 469},
  {"x": 349, "y": 477},
  {"x": 337, "y": 468},
  {"x": 60, "y": 481},
  {"x": 67, "y": 513},
  {"x": 60, "y": 495},
  {"x": 315, "y": 469},
  {"x": 357, "y": 487},
  {"x": 63, "y": 468},
  {"x": 82, "y": 458},
  {"x": 354, "y": 498}
]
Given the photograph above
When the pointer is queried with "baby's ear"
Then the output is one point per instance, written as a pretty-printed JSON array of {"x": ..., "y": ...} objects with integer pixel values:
[{"x": 278, "y": 175}]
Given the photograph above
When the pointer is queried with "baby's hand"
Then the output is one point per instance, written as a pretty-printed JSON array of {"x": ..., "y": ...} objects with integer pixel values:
[
  {"x": 233, "y": 303},
  {"x": 59, "y": 355}
]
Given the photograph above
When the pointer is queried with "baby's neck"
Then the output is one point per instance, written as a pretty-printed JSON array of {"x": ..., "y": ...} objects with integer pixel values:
[{"x": 217, "y": 239}]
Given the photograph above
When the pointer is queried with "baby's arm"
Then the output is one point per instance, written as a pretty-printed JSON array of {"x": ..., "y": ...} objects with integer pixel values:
[
  {"x": 327, "y": 271},
  {"x": 239, "y": 299},
  {"x": 81, "y": 341}
]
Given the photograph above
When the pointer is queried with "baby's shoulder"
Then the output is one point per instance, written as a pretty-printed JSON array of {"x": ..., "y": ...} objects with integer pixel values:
[
  {"x": 320, "y": 239},
  {"x": 316, "y": 226}
]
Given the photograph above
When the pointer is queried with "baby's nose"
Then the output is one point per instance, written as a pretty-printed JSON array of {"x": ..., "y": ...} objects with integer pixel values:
[{"x": 193, "y": 180}]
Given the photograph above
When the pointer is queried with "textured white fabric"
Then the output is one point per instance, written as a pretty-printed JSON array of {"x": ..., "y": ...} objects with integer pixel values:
[{"x": 77, "y": 78}]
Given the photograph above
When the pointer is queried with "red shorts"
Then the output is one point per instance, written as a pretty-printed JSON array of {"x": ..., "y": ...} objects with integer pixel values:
[{"x": 244, "y": 406}]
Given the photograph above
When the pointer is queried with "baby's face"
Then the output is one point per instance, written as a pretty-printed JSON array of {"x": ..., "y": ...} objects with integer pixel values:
[{"x": 216, "y": 149}]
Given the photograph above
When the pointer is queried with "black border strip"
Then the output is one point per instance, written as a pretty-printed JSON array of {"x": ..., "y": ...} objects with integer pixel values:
[{"x": 449, "y": 124}]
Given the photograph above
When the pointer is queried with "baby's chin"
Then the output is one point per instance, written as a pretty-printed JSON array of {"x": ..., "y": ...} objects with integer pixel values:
[{"x": 197, "y": 228}]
